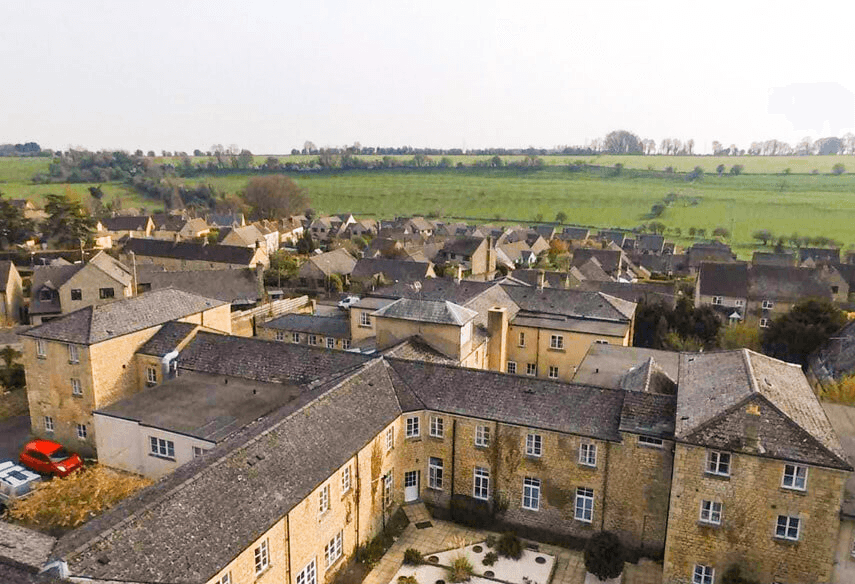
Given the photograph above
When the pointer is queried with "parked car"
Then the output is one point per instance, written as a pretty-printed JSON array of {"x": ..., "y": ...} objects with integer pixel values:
[
  {"x": 16, "y": 482},
  {"x": 46, "y": 457},
  {"x": 347, "y": 302}
]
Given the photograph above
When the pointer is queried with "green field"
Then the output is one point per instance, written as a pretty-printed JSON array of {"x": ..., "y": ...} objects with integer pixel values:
[{"x": 807, "y": 204}]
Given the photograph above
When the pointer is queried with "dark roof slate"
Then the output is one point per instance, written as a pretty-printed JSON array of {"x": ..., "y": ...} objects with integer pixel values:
[
  {"x": 649, "y": 414},
  {"x": 392, "y": 270},
  {"x": 167, "y": 338},
  {"x": 5, "y": 268},
  {"x": 724, "y": 279},
  {"x": 125, "y": 223},
  {"x": 439, "y": 312},
  {"x": 185, "y": 250},
  {"x": 465, "y": 246},
  {"x": 334, "y": 326},
  {"x": 236, "y": 286}
]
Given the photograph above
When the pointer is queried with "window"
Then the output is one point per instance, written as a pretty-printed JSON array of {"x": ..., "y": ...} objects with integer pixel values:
[
  {"x": 531, "y": 494},
  {"x": 45, "y": 294},
  {"x": 553, "y": 372},
  {"x": 313, "y": 339},
  {"x": 295, "y": 337},
  {"x": 481, "y": 486},
  {"x": 308, "y": 575},
  {"x": 522, "y": 340},
  {"x": 199, "y": 451},
  {"x": 151, "y": 375},
  {"x": 738, "y": 302},
  {"x": 332, "y": 551},
  {"x": 650, "y": 441},
  {"x": 716, "y": 300},
  {"x": 435, "y": 473},
  {"x": 413, "y": 427},
  {"x": 330, "y": 343},
  {"x": 711, "y": 512},
  {"x": 387, "y": 489},
  {"x": 482, "y": 436},
  {"x": 390, "y": 439},
  {"x": 703, "y": 574},
  {"x": 787, "y": 527},
  {"x": 324, "y": 500},
  {"x": 226, "y": 579},
  {"x": 41, "y": 349},
  {"x": 345, "y": 344},
  {"x": 588, "y": 454},
  {"x": 437, "y": 429},
  {"x": 601, "y": 342},
  {"x": 105, "y": 293},
  {"x": 345, "y": 479},
  {"x": 81, "y": 431},
  {"x": 764, "y": 323},
  {"x": 76, "y": 294},
  {"x": 556, "y": 341},
  {"x": 533, "y": 445},
  {"x": 48, "y": 424},
  {"x": 718, "y": 463},
  {"x": 160, "y": 447},
  {"x": 795, "y": 477},
  {"x": 584, "y": 504},
  {"x": 364, "y": 319},
  {"x": 76, "y": 389},
  {"x": 512, "y": 367},
  {"x": 279, "y": 336},
  {"x": 531, "y": 369},
  {"x": 73, "y": 356},
  {"x": 767, "y": 305},
  {"x": 262, "y": 558}
]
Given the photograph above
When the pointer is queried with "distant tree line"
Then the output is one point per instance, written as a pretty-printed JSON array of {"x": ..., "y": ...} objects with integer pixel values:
[{"x": 27, "y": 149}]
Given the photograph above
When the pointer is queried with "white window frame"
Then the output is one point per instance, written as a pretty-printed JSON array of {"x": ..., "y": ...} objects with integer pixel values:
[
  {"x": 161, "y": 447},
  {"x": 714, "y": 463},
  {"x": 309, "y": 574},
  {"x": 41, "y": 349},
  {"x": 793, "y": 474},
  {"x": 345, "y": 344},
  {"x": 279, "y": 336},
  {"x": 390, "y": 438},
  {"x": 73, "y": 354},
  {"x": 521, "y": 339},
  {"x": 332, "y": 551},
  {"x": 588, "y": 454},
  {"x": 789, "y": 520},
  {"x": 767, "y": 305},
  {"x": 295, "y": 338},
  {"x": 82, "y": 432},
  {"x": 534, "y": 445},
  {"x": 553, "y": 372},
  {"x": 324, "y": 499},
  {"x": 764, "y": 323},
  {"x": 738, "y": 302},
  {"x": 226, "y": 578},
  {"x": 711, "y": 512},
  {"x": 198, "y": 451},
  {"x": 413, "y": 430},
  {"x": 702, "y": 574},
  {"x": 531, "y": 369},
  {"x": 651, "y": 441},
  {"x": 482, "y": 436},
  {"x": 49, "y": 424},
  {"x": 481, "y": 483},
  {"x": 151, "y": 375},
  {"x": 313, "y": 340},
  {"x": 365, "y": 319},
  {"x": 556, "y": 342},
  {"x": 716, "y": 300},
  {"x": 262, "y": 557},
  {"x": 388, "y": 485},
  {"x": 531, "y": 494},
  {"x": 76, "y": 387},
  {"x": 584, "y": 508},
  {"x": 437, "y": 427},
  {"x": 436, "y": 470},
  {"x": 330, "y": 343},
  {"x": 512, "y": 367},
  {"x": 345, "y": 480}
]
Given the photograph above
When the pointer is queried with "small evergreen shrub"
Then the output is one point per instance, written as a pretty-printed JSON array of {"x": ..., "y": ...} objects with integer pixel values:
[
  {"x": 490, "y": 558},
  {"x": 407, "y": 580},
  {"x": 460, "y": 570},
  {"x": 413, "y": 557},
  {"x": 510, "y": 546},
  {"x": 490, "y": 542},
  {"x": 604, "y": 556}
]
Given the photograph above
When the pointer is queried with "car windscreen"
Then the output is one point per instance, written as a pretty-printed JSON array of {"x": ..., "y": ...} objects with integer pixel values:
[{"x": 59, "y": 454}]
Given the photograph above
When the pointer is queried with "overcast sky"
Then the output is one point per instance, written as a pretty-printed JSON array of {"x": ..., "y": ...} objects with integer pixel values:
[{"x": 179, "y": 75}]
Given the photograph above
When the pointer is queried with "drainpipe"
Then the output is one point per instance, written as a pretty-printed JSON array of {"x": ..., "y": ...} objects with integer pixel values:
[
  {"x": 605, "y": 486},
  {"x": 453, "y": 451},
  {"x": 357, "y": 489},
  {"x": 288, "y": 547}
]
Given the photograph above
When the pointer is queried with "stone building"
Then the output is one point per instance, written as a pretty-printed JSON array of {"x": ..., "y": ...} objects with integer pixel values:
[
  {"x": 331, "y": 332},
  {"x": 11, "y": 295},
  {"x": 185, "y": 255}
]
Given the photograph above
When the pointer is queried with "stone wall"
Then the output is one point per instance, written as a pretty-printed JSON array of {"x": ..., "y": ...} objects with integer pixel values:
[{"x": 242, "y": 568}]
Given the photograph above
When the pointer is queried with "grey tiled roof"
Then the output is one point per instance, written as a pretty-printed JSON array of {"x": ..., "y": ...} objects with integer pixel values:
[
  {"x": 167, "y": 338},
  {"x": 649, "y": 242},
  {"x": 820, "y": 255},
  {"x": 465, "y": 246},
  {"x": 714, "y": 387},
  {"x": 52, "y": 277},
  {"x": 5, "y": 268},
  {"x": 575, "y": 233},
  {"x": 236, "y": 286},
  {"x": 724, "y": 279},
  {"x": 439, "y": 312},
  {"x": 334, "y": 326},
  {"x": 337, "y": 261},
  {"x": 95, "y": 324},
  {"x": 648, "y": 414},
  {"x": 574, "y": 303},
  {"x": 649, "y": 377},
  {"x": 262, "y": 360},
  {"x": 634, "y": 291},
  {"x": 416, "y": 349},
  {"x": 392, "y": 270},
  {"x": 23, "y": 545},
  {"x": 512, "y": 399},
  {"x": 185, "y": 250},
  {"x": 198, "y": 519},
  {"x": 13, "y": 573},
  {"x": 773, "y": 259},
  {"x": 439, "y": 289},
  {"x": 610, "y": 259},
  {"x": 785, "y": 283},
  {"x": 125, "y": 223}
]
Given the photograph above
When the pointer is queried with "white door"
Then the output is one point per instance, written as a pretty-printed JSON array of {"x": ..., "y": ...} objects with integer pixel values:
[{"x": 411, "y": 486}]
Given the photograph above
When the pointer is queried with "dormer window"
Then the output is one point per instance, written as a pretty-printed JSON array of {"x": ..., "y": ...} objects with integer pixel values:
[{"x": 45, "y": 294}]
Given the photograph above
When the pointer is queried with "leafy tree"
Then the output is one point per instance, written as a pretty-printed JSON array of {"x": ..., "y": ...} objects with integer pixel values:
[
  {"x": 740, "y": 336},
  {"x": 68, "y": 221},
  {"x": 622, "y": 142},
  {"x": 795, "y": 335},
  {"x": 736, "y": 169},
  {"x": 11, "y": 373},
  {"x": 720, "y": 169},
  {"x": 721, "y": 232},
  {"x": 838, "y": 168},
  {"x": 560, "y": 217},
  {"x": 692, "y": 231},
  {"x": 763, "y": 235},
  {"x": 604, "y": 556},
  {"x": 15, "y": 228},
  {"x": 656, "y": 227},
  {"x": 656, "y": 210},
  {"x": 282, "y": 266},
  {"x": 336, "y": 284},
  {"x": 306, "y": 244},
  {"x": 496, "y": 161},
  {"x": 359, "y": 242},
  {"x": 274, "y": 196}
]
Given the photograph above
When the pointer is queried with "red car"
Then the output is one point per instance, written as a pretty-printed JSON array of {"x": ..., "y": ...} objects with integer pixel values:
[{"x": 48, "y": 457}]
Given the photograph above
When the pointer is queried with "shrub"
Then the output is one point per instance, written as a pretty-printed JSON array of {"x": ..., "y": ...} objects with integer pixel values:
[
  {"x": 733, "y": 575},
  {"x": 413, "y": 557},
  {"x": 407, "y": 580},
  {"x": 490, "y": 542},
  {"x": 460, "y": 569},
  {"x": 490, "y": 558},
  {"x": 510, "y": 546},
  {"x": 604, "y": 556},
  {"x": 370, "y": 553}
]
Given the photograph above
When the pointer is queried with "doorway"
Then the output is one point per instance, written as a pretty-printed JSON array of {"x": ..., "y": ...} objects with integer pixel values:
[{"x": 411, "y": 486}]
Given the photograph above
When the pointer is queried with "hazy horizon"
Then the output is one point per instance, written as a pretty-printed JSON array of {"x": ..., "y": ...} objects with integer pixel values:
[{"x": 269, "y": 76}]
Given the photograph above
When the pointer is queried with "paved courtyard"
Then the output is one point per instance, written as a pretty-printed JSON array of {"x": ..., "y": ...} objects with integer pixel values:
[{"x": 444, "y": 535}]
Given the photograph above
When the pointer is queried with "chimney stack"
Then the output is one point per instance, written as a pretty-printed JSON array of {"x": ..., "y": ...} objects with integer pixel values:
[
  {"x": 541, "y": 280},
  {"x": 497, "y": 343}
]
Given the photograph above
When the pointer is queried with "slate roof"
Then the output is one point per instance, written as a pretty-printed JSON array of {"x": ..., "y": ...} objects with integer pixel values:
[
  {"x": 248, "y": 235},
  {"x": 649, "y": 414},
  {"x": 225, "y": 219},
  {"x": 651, "y": 243},
  {"x": 331, "y": 326},
  {"x": 513, "y": 399},
  {"x": 708, "y": 252},
  {"x": 125, "y": 223},
  {"x": 574, "y": 303},
  {"x": 392, "y": 270},
  {"x": 51, "y": 277},
  {"x": 24, "y": 546},
  {"x": 724, "y": 279},
  {"x": 613, "y": 236},
  {"x": 262, "y": 360},
  {"x": 94, "y": 324},
  {"x": 820, "y": 255},
  {"x": 715, "y": 386},
  {"x": 836, "y": 357},
  {"x": 579, "y": 233},
  {"x": 767, "y": 258},
  {"x": 439, "y": 289},
  {"x": 592, "y": 270},
  {"x": 465, "y": 246},
  {"x": 634, "y": 291},
  {"x": 417, "y": 349},
  {"x": 236, "y": 286},
  {"x": 337, "y": 261},
  {"x": 235, "y": 493},
  {"x": 439, "y": 312},
  {"x": 785, "y": 283},
  {"x": 610, "y": 259},
  {"x": 531, "y": 277},
  {"x": 607, "y": 365},
  {"x": 649, "y": 377},
  {"x": 168, "y": 338},
  {"x": 185, "y": 250},
  {"x": 13, "y": 573}
]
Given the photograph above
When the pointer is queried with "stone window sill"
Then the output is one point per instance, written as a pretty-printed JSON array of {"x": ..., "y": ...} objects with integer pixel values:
[
  {"x": 260, "y": 575},
  {"x": 785, "y": 541},
  {"x": 534, "y": 456},
  {"x": 588, "y": 466},
  {"x": 436, "y": 489},
  {"x": 556, "y": 350},
  {"x": 717, "y": 477},
  {"x": 793, "y": 491},
  {"x": 437, "y": 438},
  {"x": 709, "y": 525},
  {"x": 482, "y": 446},
  {"x": 414, "y": 438},
  {"x": 169, "y": 458}
]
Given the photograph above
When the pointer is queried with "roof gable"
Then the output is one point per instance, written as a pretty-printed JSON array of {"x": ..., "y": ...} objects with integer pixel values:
[
  {"x": 723, "y": 279},
  {"x": 441, "y": 312}
]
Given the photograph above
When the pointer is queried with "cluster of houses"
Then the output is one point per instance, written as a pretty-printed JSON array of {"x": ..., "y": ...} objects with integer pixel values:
[{"x": 461, "y": 373}]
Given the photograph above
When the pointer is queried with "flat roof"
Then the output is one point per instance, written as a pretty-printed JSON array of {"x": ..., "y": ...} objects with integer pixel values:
[{"x": 576, "y": 325}]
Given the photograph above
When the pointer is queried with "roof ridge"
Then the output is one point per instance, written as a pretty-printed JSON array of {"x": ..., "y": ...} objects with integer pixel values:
[{"x": 749, "y": 369}]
